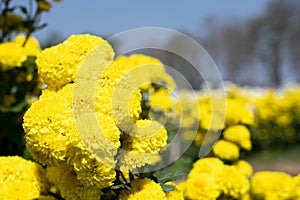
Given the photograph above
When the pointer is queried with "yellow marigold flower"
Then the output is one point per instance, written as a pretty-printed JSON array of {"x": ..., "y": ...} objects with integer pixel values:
[
  {"x": 226, "y": 150},
  {"x": 21, "y": 179},
  {"x": 232, "y": 182},
  {"x": 50, "y": 128},
  {"x": 204, "y": 177},
  {"x": 207, "y": 165},
  {"x": 89, "y": 169},
  {"x": 213, "y": 178},
  {"x": 237, "y": 112},
  {"x": 295, "y": 188},
  {"x": 239, "y": 135},
  {"x": 143, "y": 144},
  {"x": 211, "y": 112},
  {"x": 148, "y": 136},
  {"x": 32, "y": 46},
  {"x": 69, "y": 186},
  {"x": 244, "y": 167},
  {"x": 152, "y": 70},
  {"x": 59, "y": 65},
  {"x": 11, "y": 55},
  {"x": 145, "y": 189},
  {"x": 267, "y": 185},
  {"x": 161, "y": 100},
  {"x": 202, "y": 187},
  {"x": 107, "y": 99}
]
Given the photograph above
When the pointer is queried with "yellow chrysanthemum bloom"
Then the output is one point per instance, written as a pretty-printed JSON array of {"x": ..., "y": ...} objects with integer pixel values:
[
  {"x": 49, "y": 126},
  {"x": 232, "y": 182},
  {"x": 239, "y": 135},
  {"x": 238, "y": 113},
  {"x": 226, "y": 150},
  {"x": 295, "y": 188},
  {"x": 60, "y": 64},
  {"x": 202, "y": 186},
  {"x": 145, "y": 189},
  {"x": 214, "y": 179},
  {"x": 207, "y": 165},
  {"x": 11, "y": 55},
  {"x": 244, "y": 167},
  {"x": 268, "y": 185},
  {"x": 110, "y": 102},
  {"x": 143, "y": 144},
  {"x": 89, "y": 169},
  {"x": 69, "y": 186},
  {"x": 150, "y": 69},
  {"x": 203, "y": 175},
  {"x": 211, "y": 112},
  {"x": 21, "y": 179},
  {"x": 32, "y": 46},
  {"x": 161, "y": 100}
]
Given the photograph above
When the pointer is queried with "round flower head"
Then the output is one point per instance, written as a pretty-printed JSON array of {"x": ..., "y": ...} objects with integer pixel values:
[
  {"x": 11, "y": 55},
  {"x": 232, "y": 182},
  {"x": 32, "y": 46},
  {"x": 143, "y": 144},
  {"x": 244, "y": 167},
  {"x": 89, "y": 169},
  {"x": 60, "y": 64},
  {"x": 145, "y": 189},
  {"x": 206, "y": 165},
  {"x": 69, "y": 186},
  {"x": 161, "y": 100},
  {"x": 150, "y": 69},
  {"x": 21, "y": 179},
  {"x": 203, "y": 186},
  {"x": 226, "y": 150},
  {"x": 265, "y": 184},
  {"x": 239, "y": 135},
  {"x": 50, "y": 128},
  {"x": 237, "y": 112}
]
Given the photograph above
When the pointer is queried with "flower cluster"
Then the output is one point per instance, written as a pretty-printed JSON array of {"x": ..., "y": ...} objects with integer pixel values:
[
  {"x": 210, "y": 178},
  {"x": 277, "y": 117},
  {"x": 62, "y": 134},
  {"x": 275, "y": 185},
  {"x": 21, "y": 178}
]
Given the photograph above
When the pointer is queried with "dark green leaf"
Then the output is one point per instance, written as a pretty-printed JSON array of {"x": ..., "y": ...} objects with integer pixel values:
[
  {"x": 166, "y": 176},
  {"x": 167, "y": 188}
]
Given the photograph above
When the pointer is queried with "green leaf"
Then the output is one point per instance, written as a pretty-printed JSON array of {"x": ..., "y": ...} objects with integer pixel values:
[
  {"x": 165, "y": 175},
  {"x": 167, "y": 188}
]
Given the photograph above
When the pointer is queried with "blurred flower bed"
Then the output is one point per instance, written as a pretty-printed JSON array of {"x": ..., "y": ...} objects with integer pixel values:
[{"x": 60, "y": 142}]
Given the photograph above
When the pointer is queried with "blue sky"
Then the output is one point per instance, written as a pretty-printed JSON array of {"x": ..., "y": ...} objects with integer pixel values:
[{"x": 108, "y": 17}]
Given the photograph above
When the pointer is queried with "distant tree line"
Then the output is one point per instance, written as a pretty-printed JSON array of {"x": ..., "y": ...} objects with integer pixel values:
[{"x": 265, "y": 47}]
